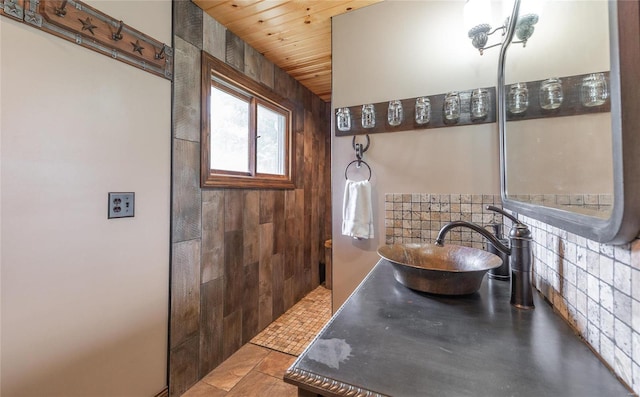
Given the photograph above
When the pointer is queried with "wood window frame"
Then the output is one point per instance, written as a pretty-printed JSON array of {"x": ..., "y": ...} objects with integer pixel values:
[{"x": 255, "y": 93}]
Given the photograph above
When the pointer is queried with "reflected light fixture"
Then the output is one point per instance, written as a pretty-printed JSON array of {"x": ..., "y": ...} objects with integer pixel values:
[{"x": 477, "y": 15}]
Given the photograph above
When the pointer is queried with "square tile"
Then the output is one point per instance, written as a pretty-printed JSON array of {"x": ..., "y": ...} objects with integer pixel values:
[
  {"x": 231, "y": 371},
  {"x": 202, "y": 389},
  {"x": 257, "y": 384},
  {"x": 276, "y": 364}
]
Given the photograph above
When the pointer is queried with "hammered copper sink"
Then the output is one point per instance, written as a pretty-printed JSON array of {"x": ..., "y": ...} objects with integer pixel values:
[{"x": 447, "y": 270}]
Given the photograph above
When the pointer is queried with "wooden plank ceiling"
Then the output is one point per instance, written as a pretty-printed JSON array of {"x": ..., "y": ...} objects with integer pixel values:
[{"x": 293, "y": 34}]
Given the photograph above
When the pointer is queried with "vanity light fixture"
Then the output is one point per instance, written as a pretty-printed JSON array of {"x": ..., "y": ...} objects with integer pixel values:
[{"x": 477, "y": 15}]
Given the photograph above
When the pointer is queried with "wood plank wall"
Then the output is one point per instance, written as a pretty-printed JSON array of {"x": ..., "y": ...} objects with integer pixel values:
[{"x": 240, "y": 257}]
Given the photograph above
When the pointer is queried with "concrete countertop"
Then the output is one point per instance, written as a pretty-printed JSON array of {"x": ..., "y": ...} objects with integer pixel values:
[{"x": 388, "y": 340}]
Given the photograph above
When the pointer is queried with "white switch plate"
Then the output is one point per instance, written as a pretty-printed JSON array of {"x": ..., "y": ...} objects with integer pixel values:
[{"x": 121, "y": 205}]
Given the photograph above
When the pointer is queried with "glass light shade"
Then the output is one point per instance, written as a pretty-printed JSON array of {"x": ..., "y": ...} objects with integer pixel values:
[
  {"x": 518, "y": 98},
  {"x": 551, "y": 94},
  {"x": 480, "y": 103},
  {"x": 451, "y": 107},
  {"x": 477, "y": 12},
  {"x": 343, "y": 119},
  {"x": 594, "y": 90},
  {"x": 423, "y": 110},
  {"x": 368, "y": 119},
  {"x": 395, "y": 113}
]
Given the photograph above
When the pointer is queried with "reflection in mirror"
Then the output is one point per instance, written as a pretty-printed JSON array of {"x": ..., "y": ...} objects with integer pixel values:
[{"x": 561, "y": 156}]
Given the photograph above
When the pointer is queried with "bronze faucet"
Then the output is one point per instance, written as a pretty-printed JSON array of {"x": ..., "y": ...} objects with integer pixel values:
[{"x": 520, "y": 255}]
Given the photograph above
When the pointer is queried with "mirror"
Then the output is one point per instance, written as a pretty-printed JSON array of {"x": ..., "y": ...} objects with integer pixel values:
[{"x": 572, "y": 163}]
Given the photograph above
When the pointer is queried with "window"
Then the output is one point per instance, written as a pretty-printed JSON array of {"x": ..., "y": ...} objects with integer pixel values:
[{"x": 246, "y": 131}]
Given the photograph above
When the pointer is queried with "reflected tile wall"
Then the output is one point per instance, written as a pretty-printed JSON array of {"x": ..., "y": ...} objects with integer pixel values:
[{"x": 594, "y": 202}]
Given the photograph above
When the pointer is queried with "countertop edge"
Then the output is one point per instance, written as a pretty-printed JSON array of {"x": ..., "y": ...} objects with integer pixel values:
[{"x": 323, "y": 385}]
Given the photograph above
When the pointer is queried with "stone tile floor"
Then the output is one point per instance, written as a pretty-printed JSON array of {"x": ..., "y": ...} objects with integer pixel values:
[
  {"x": 258, "y": 367},
  {"x": 292, "y": 332}
]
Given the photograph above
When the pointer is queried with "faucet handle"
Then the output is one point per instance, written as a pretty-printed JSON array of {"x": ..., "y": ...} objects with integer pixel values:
[{"x": 504, "y": 213}]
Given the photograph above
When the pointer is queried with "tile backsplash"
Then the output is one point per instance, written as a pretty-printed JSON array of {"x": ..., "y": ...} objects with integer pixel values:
[
  {"x": 594, "y": 287},
  {"x": 417, "y": 217}
]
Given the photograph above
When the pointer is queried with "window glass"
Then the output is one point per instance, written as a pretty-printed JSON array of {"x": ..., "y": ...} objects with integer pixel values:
[
  {"x": 270, "y": 147},
  {"x": 229, "y": 118},
  {"x": 246, "y": 139}
]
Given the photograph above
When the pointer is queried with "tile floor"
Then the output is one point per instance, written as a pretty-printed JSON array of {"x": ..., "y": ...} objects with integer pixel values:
[
  {"x": 295, "y": 329},
  {"x": 258, "y": 367}
]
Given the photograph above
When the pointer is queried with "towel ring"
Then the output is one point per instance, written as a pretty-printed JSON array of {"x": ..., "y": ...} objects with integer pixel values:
[{"x": 359, "y": 162}]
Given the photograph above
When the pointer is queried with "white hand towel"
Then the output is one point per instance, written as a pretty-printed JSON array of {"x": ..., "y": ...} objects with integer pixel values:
[{"x": 357, "y": 212}]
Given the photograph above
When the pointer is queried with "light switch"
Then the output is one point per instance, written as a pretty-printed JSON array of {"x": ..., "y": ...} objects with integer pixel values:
[{"x": 121, "y": 205}]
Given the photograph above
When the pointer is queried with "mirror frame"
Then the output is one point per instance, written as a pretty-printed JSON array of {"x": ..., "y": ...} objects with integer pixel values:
[{"x": 624, "y": 223}]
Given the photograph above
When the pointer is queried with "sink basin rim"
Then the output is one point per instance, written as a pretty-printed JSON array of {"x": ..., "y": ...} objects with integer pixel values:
[{"x": 413, "y": 266}]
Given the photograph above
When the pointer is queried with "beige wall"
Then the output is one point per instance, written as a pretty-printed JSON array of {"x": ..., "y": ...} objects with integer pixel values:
[
  {"x": 395, "y": 50},
  {"x": 84, "y": 298}
]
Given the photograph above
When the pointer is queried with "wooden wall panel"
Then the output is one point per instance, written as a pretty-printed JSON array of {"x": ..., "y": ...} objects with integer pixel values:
[
  {"x": 288, "y": 292},
  {"x": 291, "y": 230},
  {"x": 213, "y": 37},
  {"x": 233, "y": 272},
  {"x": 265, "y": 276},
  {"x": 213, "y": 210},
  {"x": 277, "y": 284},
  {"x": 234, "y": 51},
  {"x": 250, "y": 254},
  {"x": 233, "y": 206},
  {"x": 187, "y": 22},
  {"x": 250, "y": 227},
  {"x": 299, "y": 153},
  {"x": 187, "y": 200},
  {"x": 279, "y": 222},
  {"x": 267, "y": 200},
  {"x": 186, "y": 94},
  {"x": 258, "y": 67},
  {"x": 211, "y": 316},
  {"x": 250, "y": 302},
  {"x": 183, "y": 364},
  {"x": 185, "y": 291},
  {"x": 231, "y": 334}
]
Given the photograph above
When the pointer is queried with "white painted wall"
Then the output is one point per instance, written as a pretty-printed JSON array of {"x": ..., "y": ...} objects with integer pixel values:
[
  {"x": 395, "y": 50},
  {"x": 84, "y": 298}
]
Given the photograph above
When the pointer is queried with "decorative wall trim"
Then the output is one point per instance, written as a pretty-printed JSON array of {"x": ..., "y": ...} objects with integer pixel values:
[
  {"x": 86, "y": 26},
  {"x": 571, "y": 103},
  {"x": 322, "y": 384},
  {"x": 571, "y": 106},
  {"x": 12, "y": 8},
  {"x": 408, "y": 123}
]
